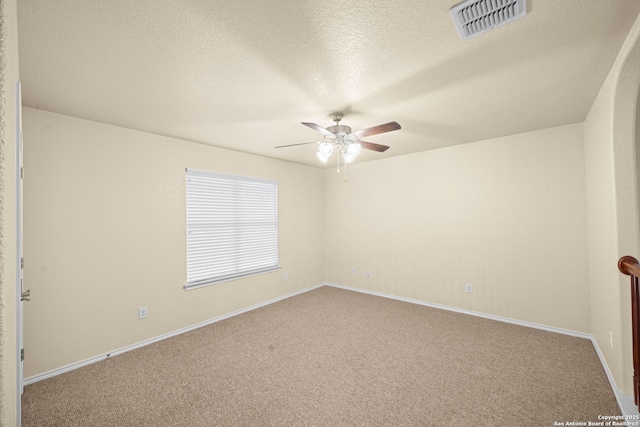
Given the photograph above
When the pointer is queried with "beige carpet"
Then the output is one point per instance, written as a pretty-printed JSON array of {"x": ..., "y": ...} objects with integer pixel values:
[{"x": 331, "y": 357}]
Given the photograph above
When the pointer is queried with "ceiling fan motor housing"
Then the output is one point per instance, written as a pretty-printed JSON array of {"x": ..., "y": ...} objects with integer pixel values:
[{"x": 339, "y": 130}]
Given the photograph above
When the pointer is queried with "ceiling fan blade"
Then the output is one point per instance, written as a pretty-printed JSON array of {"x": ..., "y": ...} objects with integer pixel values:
[
  {"x": 375, "y": 130},
  {"x": 293, "y": 145},
  {"x": 375, "y": 147},
  {"x": 318, "y": 128}
]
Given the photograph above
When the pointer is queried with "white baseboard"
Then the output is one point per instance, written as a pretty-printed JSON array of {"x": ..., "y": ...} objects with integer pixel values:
[
  {"x": 625, "y": 401},
  {"x": 104, "y": 356},
  {"x": 470, "y": 312}
]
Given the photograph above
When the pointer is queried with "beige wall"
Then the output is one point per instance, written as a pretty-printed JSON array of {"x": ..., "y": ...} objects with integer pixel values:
[
  {"x": 613, "y": 206},
  {"x": 507, "y": 215},
  {"x": 10, "y": 75},
  {"x": 637, "y": 142},
  {"x": 105, "y": 234}
]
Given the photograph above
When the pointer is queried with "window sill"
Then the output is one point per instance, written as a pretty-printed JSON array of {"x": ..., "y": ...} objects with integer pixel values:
[{"x": 209, "y": 282}]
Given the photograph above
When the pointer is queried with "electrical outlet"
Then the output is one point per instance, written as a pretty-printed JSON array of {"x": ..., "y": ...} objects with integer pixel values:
[
  {"x": 353, "y": 271},
  {"x": 286, "y": 276},
  {"x": 142, "y": 313},
  {"x": 368, "y": 273},
  {"x": 468, "y": 288}
]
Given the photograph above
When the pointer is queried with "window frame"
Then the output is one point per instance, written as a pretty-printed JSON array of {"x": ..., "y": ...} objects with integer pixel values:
[{"x": 232, "y": 227}]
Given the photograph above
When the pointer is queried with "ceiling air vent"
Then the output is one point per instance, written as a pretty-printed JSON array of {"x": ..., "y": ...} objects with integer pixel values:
[{"x": 474, "y": 17}]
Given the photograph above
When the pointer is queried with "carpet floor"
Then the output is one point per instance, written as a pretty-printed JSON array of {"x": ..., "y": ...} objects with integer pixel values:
[{"x": 333, "y": 357}]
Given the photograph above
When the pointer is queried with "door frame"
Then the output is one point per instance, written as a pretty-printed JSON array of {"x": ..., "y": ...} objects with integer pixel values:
[{"x": 19, "y": 256}]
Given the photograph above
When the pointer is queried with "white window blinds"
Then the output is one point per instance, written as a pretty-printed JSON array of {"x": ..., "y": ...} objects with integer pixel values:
[{"x": 232, "y": 227}]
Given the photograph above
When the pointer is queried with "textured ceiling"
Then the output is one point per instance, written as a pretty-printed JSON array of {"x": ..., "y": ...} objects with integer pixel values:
[{"x": 244, "y": 74}]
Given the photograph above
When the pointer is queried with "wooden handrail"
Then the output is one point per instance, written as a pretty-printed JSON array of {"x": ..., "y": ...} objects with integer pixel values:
[{"x": 629, "y": 265}]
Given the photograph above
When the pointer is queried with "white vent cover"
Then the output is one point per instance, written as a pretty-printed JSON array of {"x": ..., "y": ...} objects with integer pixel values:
[{"x": 474, "y": 17}]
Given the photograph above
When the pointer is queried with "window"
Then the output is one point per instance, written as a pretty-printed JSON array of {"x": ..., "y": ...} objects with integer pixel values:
[{"x": 232, "y": 227}]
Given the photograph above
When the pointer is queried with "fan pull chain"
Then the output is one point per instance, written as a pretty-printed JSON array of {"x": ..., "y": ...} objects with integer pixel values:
[{"x": 345, "y": 172}]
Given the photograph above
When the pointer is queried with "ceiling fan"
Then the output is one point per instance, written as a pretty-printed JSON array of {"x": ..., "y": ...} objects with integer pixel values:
[{"x": 339, "y": 138}]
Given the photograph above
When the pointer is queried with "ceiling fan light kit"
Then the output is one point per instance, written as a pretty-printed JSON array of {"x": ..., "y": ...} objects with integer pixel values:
[
  {"x": 349, "y": 151},
  {"x": 340, "y": 139},
  {"x": 325, "y": 150}
]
